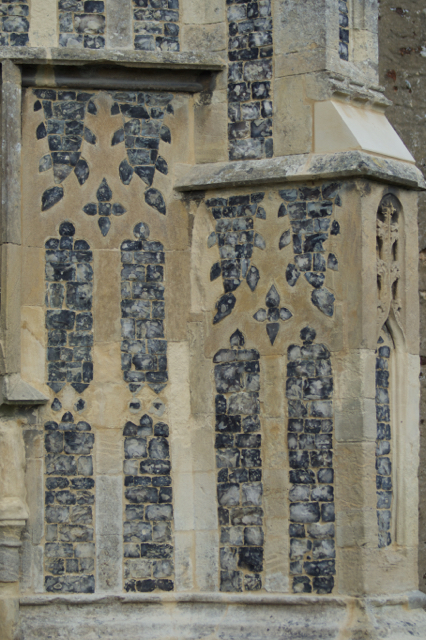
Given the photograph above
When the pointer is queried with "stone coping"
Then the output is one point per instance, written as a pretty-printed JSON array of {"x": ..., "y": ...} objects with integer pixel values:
[
  {"x": 124, "y": 57},
  {"x": 335, "y": 166},
  {"x": 412, "y": 599}
]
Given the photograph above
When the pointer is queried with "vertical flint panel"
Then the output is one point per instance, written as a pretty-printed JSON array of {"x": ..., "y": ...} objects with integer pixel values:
[
  {"x": 239, "y": 464},
  {"x": 309, "y": 390},
  {"x": 69, "y": 550},
  {"x": 155, "y": 25},
  {"x": 69, "y": 320},
  {"x": 383, "y": 444},
  {"x": 250, "y": 108},
  {"x": 82, "y": 24},
  {"x": 343, "y": 30}
]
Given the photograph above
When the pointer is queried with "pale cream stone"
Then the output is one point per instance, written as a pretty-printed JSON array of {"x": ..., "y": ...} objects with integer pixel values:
[
  {"x": 205, "y": 517},
  {"x": 9, "y": 610},
  {"x": 207, "y": 560},
  {"x": 107, "y": 296},
  {"x": 272, "y": 369},
  {"x": 177, "y": 294},
  {"x": 108, "y": 407},
  {"x": 109, "y": 455},
  {"x": 293, "y": 121},
  {"x": 183, "y": 489},
  {"x": 340, "y": 127},
  {"x": 296, "y": 62},
  {"x": 354, "y": 374},
  {"x": 184, "y": 560},
  {"x": 107, "y": 362},
  {"x": 200, "y": 13},
  {"x": 200, "y": 387},
  {"x": 13, "y": 501},
  {"x": 211, "y": 37},
  {"x": 33, "y": 269},
  {"x": 33, "y": 347},
  {"x": 274, "y": 446},
  {"x": 210, "y": 128},
  {"x": 202, "y": 444},
  {"x": 34, "y": 484},
  {"x": 10, "y": 329},
  {"x": 44, "y": 28},
  {"x": 355, "y": 419},
  {"x": 119, "y": 24}
]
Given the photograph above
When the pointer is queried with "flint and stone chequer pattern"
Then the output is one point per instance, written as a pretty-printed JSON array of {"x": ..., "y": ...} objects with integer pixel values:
[
  {"x": 310, "y": 210},
  {"x": 143, "y": 343},
  {"x": 155, "y": 25},
  {"x": 69, "y": 321},
  {"x": 69, "y": 550},
  {"x": 15, "y": 23},
  {"x": 63, "y": 125},
  {"x": 236, "y": 239},
  {"x": 309, "y": 391},
  {"x": 250, "y": 52},
  {"x": 383, "y": 445},
  {"x": 82, "y": 23},
  {"x": 148, "y": 518},
  {"x": 239, "y": 464},
  {"x": 141, "y": 131},
  {"x": 343, "y": 30}
]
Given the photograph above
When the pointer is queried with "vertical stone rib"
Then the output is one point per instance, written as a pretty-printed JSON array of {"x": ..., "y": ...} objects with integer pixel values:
[
  {"x": 309, "y": 390},
  {"x": 119, "y": 24}
]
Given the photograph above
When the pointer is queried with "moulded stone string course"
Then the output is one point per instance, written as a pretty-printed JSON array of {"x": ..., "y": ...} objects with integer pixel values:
[
  {"x": 239, "y": 464},
  {"x": 250, "y": 107},
  {"x": 383, "y": 444},
  {"x": 69, "y": 549},
  {"x": 309, "y": 391},
  {"x": 69, "y": 320},
  {"x": 155, "y": 25},
  {"x": 82, "y": 23},
  {"x": 148, "y": 516},
  {"x": 143, "y": 343},
  {"x": 310, "y": 210}
]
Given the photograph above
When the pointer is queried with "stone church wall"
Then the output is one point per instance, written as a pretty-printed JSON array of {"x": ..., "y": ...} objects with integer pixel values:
[{"x": 208, "y": 324}]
